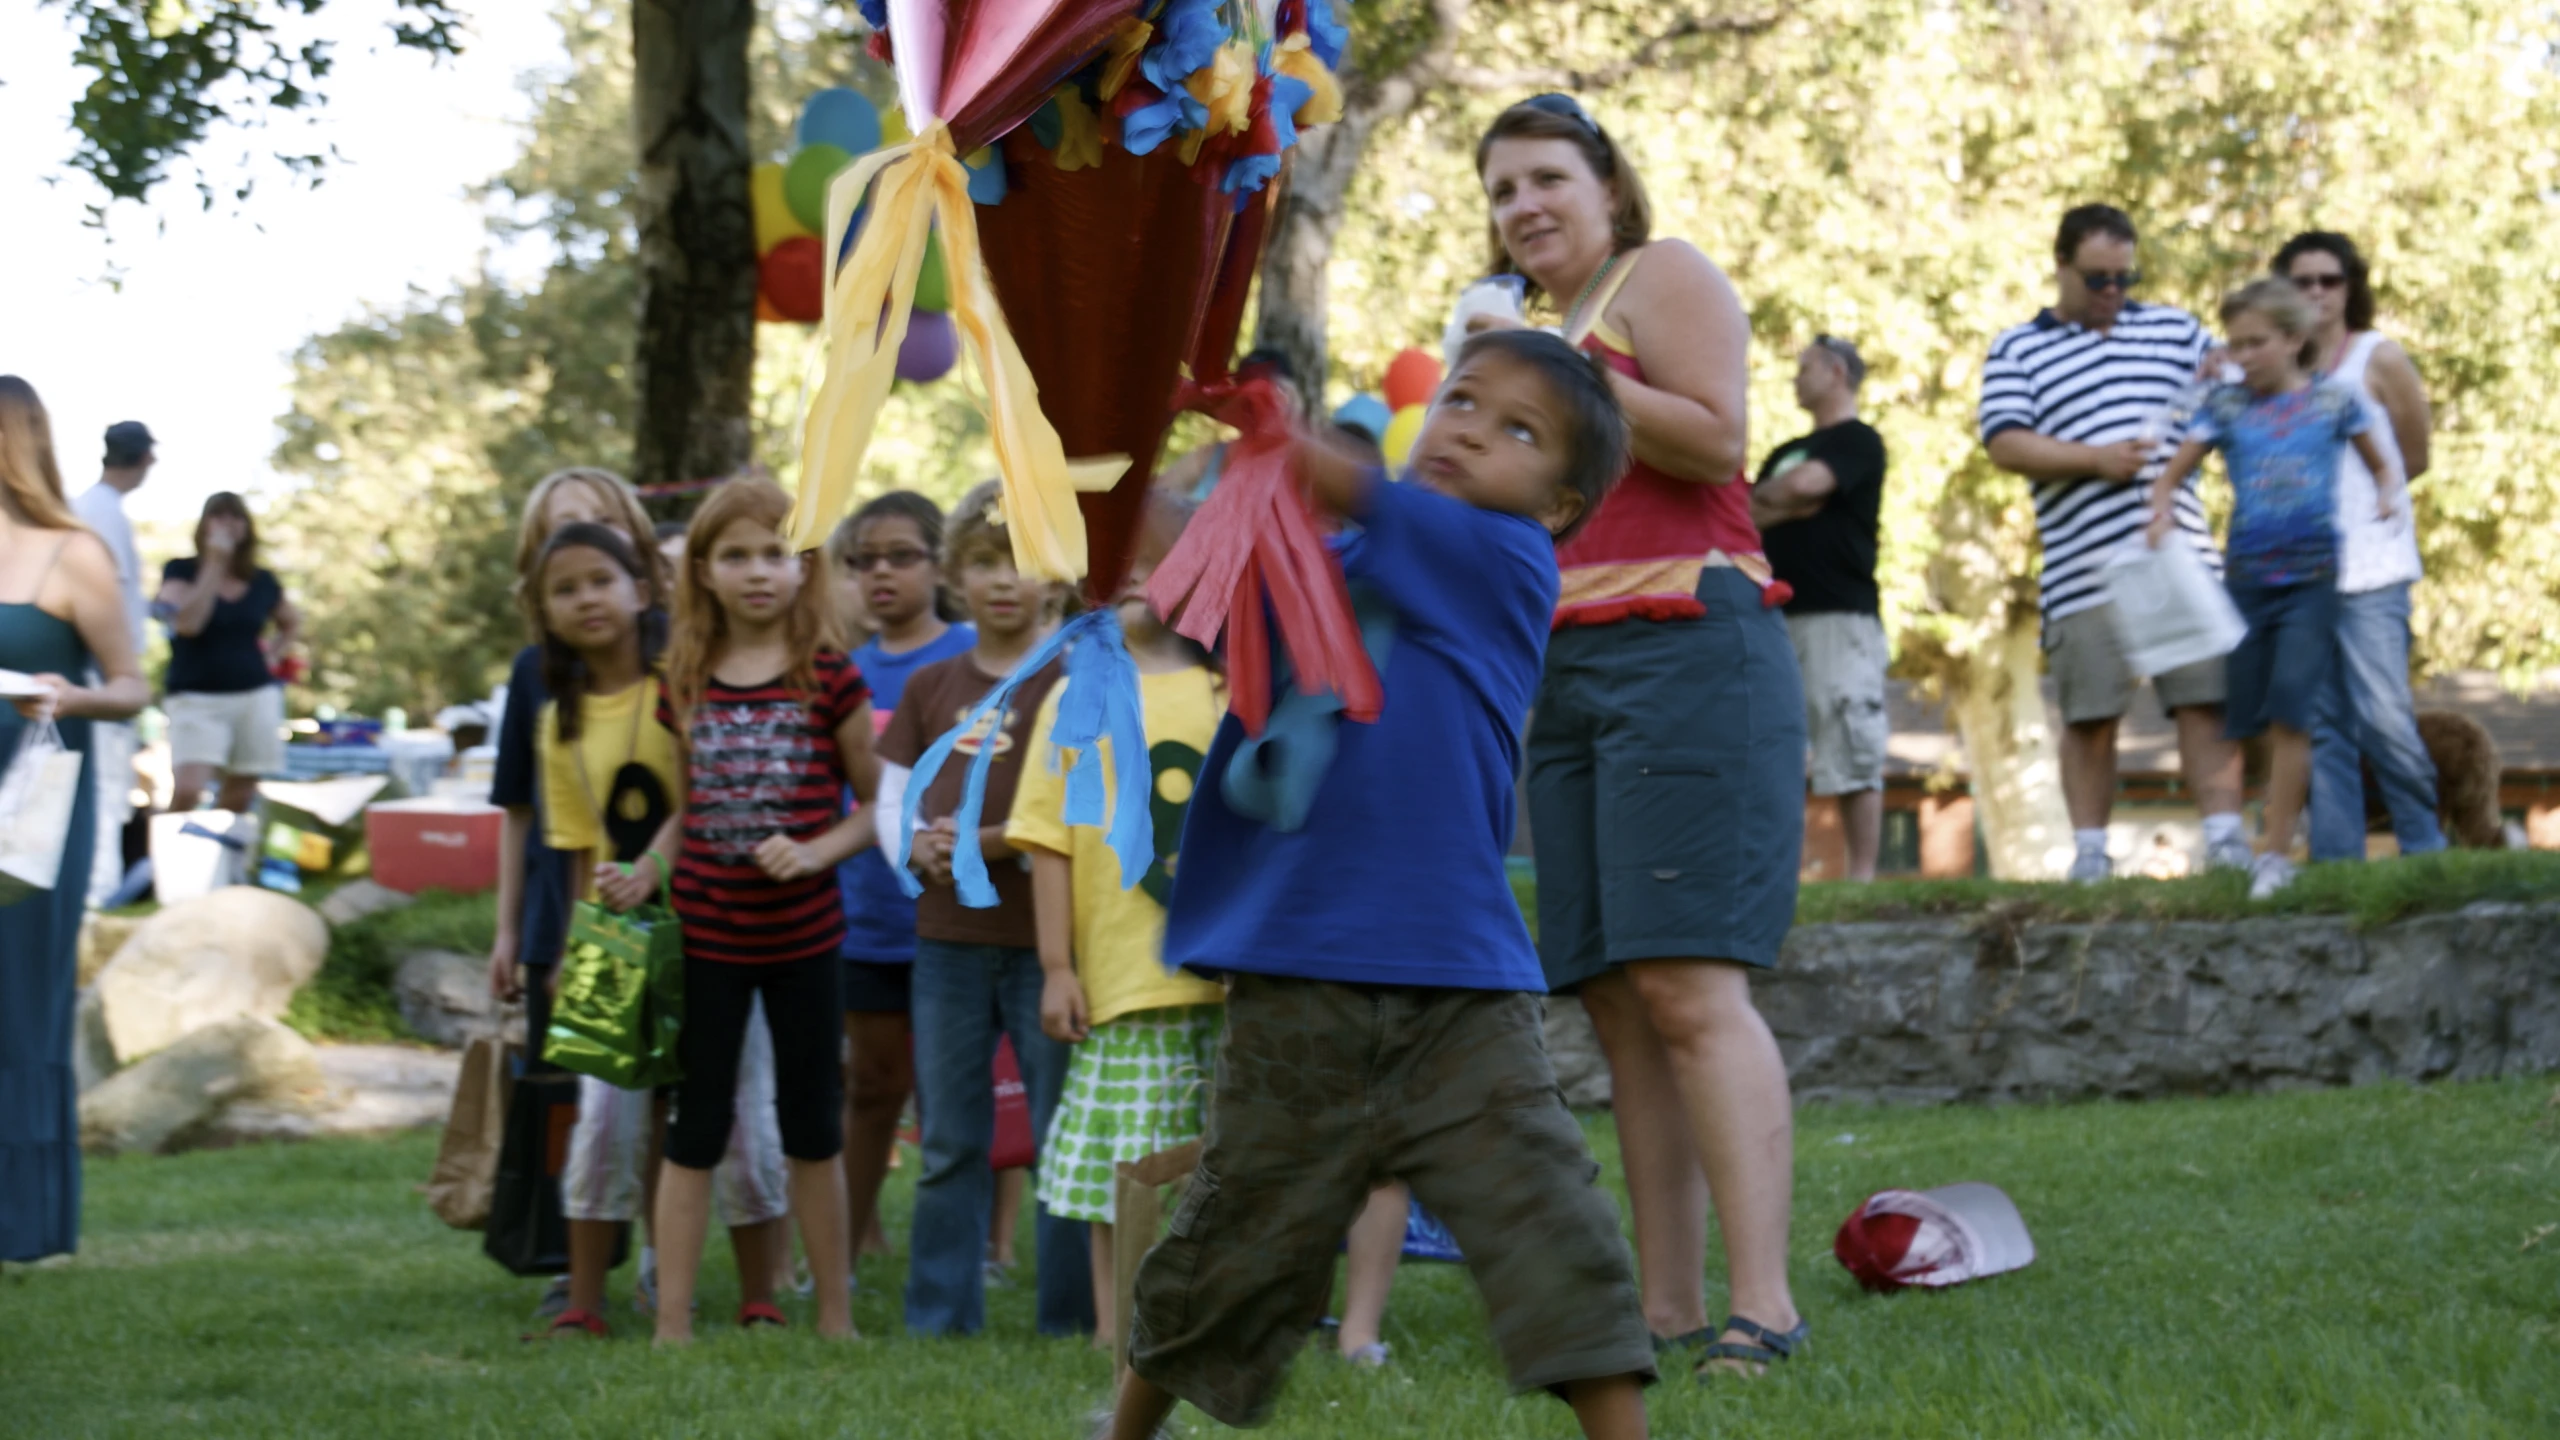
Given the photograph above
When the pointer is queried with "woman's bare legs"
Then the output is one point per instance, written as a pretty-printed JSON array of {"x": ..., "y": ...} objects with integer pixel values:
[
  {"x": 1376, "y": 1245},
  {"x": 239, "y": 794},
  {"x": 1666, "y": 1188},
  {"x": 1734, "y": 1084},
  {"x": 187, "y": 784}
]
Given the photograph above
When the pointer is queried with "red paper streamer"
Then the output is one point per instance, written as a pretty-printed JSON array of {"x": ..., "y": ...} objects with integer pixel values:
[{"x": 1255, "y": 540}]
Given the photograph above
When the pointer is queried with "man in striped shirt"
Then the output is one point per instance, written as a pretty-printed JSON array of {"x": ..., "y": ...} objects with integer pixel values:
[{"x": 2085, "y": 402}]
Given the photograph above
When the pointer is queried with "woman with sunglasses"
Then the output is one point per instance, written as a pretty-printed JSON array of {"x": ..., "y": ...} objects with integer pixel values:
[
  {"x": 1666, "y": 754},
  {"x": 2368, "y": 713}
]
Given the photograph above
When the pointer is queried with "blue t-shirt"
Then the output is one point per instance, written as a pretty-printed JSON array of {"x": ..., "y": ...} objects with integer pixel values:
[
  {"x": 2282, "y": 452},
  {"x": 1397, "y": 877},
  {"x": 879, "y": 919},
  {"x": 543, "y": 926}
]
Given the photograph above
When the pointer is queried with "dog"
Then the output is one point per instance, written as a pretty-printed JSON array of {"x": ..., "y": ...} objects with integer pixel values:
[{"x": 2468, "y": 769}]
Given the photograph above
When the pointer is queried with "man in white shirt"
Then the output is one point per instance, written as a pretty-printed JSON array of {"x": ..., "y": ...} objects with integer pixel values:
[{"x": 129, "y": 460}]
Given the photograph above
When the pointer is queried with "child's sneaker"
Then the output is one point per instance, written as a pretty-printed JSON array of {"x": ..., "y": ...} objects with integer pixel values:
[
  {"x": 2091, "y": 867},
  {"x": 1372, "y": 1356},
  {"x": 554, "y": 1299},
  {"x": 2229, "y": 853},
  {"x": 2268, "y": 874}
]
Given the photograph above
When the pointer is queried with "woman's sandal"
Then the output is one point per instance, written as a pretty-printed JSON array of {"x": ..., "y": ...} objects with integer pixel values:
[
  {"x": 1691, "y": 1341},
  {"x": 1769, "y": 1347},
  {"x": 761, "y": 1313}
]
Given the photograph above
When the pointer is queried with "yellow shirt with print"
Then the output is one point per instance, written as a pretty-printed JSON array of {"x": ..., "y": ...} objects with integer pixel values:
[
  {"x": 1119, "y": 934},
  {"x": 613, "y": 731}
]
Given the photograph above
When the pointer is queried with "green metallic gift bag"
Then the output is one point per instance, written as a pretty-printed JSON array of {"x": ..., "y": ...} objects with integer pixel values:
[{"x": 621, "y": 997}]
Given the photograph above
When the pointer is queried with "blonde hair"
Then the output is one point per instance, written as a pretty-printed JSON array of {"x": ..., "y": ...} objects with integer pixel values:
[
  {"x": 623, "y": 511},
  {"x": 30, "y": 481},
  {"x": 976, "y": 525},
  {"x": 702, "y": 627},
  {"x": 2284, "y": 304}
]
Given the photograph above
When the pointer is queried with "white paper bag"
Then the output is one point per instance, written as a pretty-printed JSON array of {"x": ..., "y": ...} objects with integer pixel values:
[
  {"x": 37, "y": 794},
  {"x": 2169, "y": 609}
]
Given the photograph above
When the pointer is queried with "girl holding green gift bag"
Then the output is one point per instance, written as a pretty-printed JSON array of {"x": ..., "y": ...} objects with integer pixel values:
[
  {"x": 777, "y": 726},
  {"x": 610, "y": 771}
]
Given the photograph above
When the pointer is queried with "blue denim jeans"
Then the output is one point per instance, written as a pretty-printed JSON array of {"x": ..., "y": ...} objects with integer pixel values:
[
  {"x": 2367, "y": 714},
  {"x": 965, "y": 996}
]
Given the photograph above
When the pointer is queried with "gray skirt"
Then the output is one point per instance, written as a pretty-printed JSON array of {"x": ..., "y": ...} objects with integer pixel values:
[{"x": 1666, "y": 788}]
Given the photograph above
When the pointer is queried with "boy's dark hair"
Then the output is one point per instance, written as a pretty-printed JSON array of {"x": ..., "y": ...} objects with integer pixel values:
[
  {"x": 669, "y": 530},
  {"x": 1598, "y": 441},
  {"x": 2082, "y": 221},
  {"x": 2359, "y": 314},
  {"x": 564, "y": 672}
]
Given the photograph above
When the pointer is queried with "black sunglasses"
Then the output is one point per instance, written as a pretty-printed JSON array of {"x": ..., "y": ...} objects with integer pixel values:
[
  {"x": 1565, "y": 106},
  {"x": 2330, "y": 281},
  {"x": 2104, "y": 280}
]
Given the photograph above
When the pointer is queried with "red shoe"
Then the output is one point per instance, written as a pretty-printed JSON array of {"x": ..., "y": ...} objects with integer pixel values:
[
  {"x": 761, "y": 1313},
  {"x": 585, "y": 1320}
]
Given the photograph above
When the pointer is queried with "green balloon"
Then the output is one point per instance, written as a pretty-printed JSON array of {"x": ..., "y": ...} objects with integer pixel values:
[
  {"x": 933, "y": 281},
  {"x": 804, "y": 183}
]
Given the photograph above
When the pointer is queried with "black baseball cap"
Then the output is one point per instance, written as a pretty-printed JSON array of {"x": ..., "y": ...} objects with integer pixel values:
[{"x": 128, "y": 442}]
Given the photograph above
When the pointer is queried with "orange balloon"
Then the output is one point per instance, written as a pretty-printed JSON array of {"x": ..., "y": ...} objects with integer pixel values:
[
  {"x": 764, "y": 306},
  {"x": 1412, "y": 378}
]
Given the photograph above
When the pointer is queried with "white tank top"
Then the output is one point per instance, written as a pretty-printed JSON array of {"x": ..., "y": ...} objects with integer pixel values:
[{"x": 2371, "y": 553}]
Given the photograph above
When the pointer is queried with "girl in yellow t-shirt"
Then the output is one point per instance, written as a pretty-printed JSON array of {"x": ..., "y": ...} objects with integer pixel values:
[
  {"x": 611, "y": 776},
  {"x": 1146, "y": 1041}
]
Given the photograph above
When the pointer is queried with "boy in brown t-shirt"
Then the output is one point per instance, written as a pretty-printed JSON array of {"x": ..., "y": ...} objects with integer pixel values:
[{"x": 977, "y": 972}]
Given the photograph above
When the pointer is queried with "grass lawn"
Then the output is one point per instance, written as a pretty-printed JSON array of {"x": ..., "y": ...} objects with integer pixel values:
[{"x": 2355, "y": 1263}]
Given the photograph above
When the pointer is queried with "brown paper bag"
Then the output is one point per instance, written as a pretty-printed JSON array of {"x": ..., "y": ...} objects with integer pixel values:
[
  {"x": 466, "y": 1170},
  {"x": 1138, "y": 1220}
]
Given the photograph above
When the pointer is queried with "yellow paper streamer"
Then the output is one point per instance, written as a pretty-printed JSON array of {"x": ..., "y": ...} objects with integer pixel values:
[
  {"x": 869, "y": 303},
  {"x": 1296, "y": 57},
  {"x": 1079, "y": 131}
]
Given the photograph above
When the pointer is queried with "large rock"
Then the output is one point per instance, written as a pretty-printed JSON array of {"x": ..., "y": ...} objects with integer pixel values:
[
  {"x": 1993, "y": 1009},
  {"x": 236, "y": 951},
  {"x": 101, "y": 936},
  {"x": 1990, "y": 1010},
  {"x": 92, "y": 1058},
  {"x": 162, "y": 1102},
  {"x": 445, "y": 996},
  {"x": 367, "y": 1089},
  {"x": 357, "y": 899}
]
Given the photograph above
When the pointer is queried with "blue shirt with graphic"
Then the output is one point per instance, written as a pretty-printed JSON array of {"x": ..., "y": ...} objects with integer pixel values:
[
  {"x": 2282, "y": 452},
  {"x": 1397, "y": 876},
  {"x": 879, "y": 919}
]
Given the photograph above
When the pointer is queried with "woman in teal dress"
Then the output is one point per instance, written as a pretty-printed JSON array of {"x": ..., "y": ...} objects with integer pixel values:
[{"x": 61, "y": 616}]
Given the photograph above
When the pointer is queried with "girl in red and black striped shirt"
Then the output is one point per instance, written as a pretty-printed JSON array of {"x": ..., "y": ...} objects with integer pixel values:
[{"x": 776, "y": 724}]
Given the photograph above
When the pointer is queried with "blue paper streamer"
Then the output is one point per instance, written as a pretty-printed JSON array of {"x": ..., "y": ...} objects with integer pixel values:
[{"x": 1100, "y": 701}]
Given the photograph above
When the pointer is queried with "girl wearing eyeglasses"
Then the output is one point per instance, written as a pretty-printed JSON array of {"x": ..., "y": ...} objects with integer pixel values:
[
  {"x": 888, "y": 556},
  {"x": 1666, "y": 753}
]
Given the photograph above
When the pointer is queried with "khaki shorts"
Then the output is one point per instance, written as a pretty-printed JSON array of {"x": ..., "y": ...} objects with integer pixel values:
[
  {"x": 238, "y": 734},
  {"x": 1325, "y": 1091},
  {"x": 1842, "y": 657},
  {"x": 2086, "y": 661},
  {"x": 609, "y": 1146}
]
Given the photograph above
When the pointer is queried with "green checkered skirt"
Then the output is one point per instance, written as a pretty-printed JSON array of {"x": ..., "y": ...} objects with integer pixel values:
[{"x": 1137, "y": 1085}]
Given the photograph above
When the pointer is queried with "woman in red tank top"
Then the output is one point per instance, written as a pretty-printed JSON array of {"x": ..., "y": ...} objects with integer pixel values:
[{"x": 1666, "y": 754}]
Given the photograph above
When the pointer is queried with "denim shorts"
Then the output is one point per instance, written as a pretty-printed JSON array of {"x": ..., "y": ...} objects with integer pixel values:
[
  {"x": 1666, "y": 788},
  {"x": 2280, "y": 673}
]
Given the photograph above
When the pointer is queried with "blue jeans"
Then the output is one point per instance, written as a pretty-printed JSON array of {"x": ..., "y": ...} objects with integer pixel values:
[
  {"x": 2367, "y": 714},
  {"x": 965, "y": 996}
]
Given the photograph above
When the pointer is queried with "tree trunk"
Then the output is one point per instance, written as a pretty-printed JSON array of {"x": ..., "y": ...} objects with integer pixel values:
[
  {"x": 2012, "y": 752},
  {"x": 695, "y": 362},
  {"x": 1292, "y": 303}
]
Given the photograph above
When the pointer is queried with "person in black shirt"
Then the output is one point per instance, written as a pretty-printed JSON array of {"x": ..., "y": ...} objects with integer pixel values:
[
  {"x": 1815, "y": 504},
  {"x": 224, "y": 702}
]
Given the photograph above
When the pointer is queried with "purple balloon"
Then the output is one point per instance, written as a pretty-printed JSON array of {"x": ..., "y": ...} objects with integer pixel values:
[{"x": 931, "y": 348}]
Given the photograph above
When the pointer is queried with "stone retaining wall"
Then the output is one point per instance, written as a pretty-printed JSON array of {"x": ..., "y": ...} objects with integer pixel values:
[{"x": 1980, "y": 1009}]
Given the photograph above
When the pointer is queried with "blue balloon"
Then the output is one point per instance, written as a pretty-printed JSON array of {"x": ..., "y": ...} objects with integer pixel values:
[
  {"x": 1367, "y": 414},
  {"x": 986, "y": 182},
  {"x": 842, "y": 118}
]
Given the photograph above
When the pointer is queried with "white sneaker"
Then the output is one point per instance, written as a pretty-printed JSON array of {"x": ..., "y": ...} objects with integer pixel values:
[
  {"x": 2091, "y": 867},
  {"x": 2268, "y": 874},
  {"x": 2232, "y": 853}
]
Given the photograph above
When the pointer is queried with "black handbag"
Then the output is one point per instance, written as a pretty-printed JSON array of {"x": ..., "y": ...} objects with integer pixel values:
[{"x": 527, "y": 1233}]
